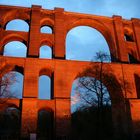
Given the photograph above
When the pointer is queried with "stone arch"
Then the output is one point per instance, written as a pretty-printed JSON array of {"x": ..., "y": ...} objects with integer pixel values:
[
  {"x": 10, "y": 122},
  {"x": 91, "y": 107},
  {"x": 9, "y": 104},
  {"x": 46, "y": 22},
  {"x": 137, "y": 84},
  {"x": 113, "y": 94},
  {"x": 45, "y": 87},
  {"x": 45, "y": 84},
  {"x": 90, "y": 80},
  {"x": 46, "y": 29},
  {"x": 15, "y": 14},
  {"x": 15, "y": 48},
  {"x": 46, "y": 41},
  {"x": 21, "y": 25},
  {"x": 10, "y": 66},
  {"x": 99, "y": 27},
  {"x": 115, "y": 98},
  {"x": 17, "y": 68},
  {"x": 45, "y": 52},
  {"x": 83, "y": 43},
  {"x": 132, "y": 57},
  {"x": 117, "y": 104},
  {"x": 13, "y": 37},
  {"x": 46, "y": 71},
  {"x": 128, "y": 34},
  {"x": 14, "y": 87},
  {"x": 45, "y": 123},
  {"x": 46, "y": 108}
]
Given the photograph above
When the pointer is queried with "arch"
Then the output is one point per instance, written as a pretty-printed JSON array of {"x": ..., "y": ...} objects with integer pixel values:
[
  {"x": 46, "y": 71},
  {"x": 45, "y": 124},
  {"x": 46, "y": 41},
  {"x": 132, "y": 58},
  {"x": 18, "y": 69},
  {"x": 46, "y": 29},
  {"x": 128, "y": 34},
  {"x": 93, "y": 70},
  {"x": 14, "y": 85},
  {"x": 17, "y": 25},
  {"x": 9, "y": 38},
  {"x": 10, "y": 105},
  {"x": 137, "y": 84},
  {"x": 82, "y": 44},
  {"x": 45, "y": 52},
  {"x": 99, "y": 27},
  {"x": 44, "y": 87},
  {"x": 15, "y": 48},
  {"x": 115, "y": 89},
  {"x": 46, "y": 108},
  {"x": 93, "y": 104},
  {"x": 46, "y": 21},
  {"x": 13, "y": 37},
  {"x": 10, "y": 67},
  {"x": 89, "y": 87},
  {"x": 16, "y": 14},
  {"x": 10, "y": 123}
]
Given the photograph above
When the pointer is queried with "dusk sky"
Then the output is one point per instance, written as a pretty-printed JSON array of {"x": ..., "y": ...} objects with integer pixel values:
[
  {"x": 125, "y": 8},
  {"x": 77, "y": 37},
  {"x": 80, "y": 37}
]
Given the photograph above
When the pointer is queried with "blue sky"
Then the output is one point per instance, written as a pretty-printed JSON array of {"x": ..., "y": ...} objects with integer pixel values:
[
  {"x": 77, "y": 40},
  {"x": 76, "y": 48},
  {"x": 126, "y": 8}
]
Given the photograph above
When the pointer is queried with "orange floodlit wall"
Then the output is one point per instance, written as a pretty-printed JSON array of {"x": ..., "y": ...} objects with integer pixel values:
[{"x": 123, "y": 38}]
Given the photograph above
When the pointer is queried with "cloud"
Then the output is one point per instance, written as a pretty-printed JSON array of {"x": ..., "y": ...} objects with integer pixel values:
[{"x": 75, "y": 99}]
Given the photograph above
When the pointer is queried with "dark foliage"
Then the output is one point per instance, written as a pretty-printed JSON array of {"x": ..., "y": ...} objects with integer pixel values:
[
  {"x": 87, "y": 125},
  {"x": 93, "y": 118},
  {"x": 10, "y": 123}
]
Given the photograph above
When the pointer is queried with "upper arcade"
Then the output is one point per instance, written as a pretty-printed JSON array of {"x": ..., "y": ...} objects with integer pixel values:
[{"x": 122, "y": 36}]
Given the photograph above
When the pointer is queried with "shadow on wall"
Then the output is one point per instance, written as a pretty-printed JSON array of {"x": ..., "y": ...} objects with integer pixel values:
[
  {"x": 10, "y": 123},
  {"x": 86, "y": 124},
  {"x": 45, "y": 125},
  {"x": 137, "y": 133},
  {"x": 93, "y": 120}
]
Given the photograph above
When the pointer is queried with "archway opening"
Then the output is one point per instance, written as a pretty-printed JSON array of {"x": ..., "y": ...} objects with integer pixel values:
[
  {"x": 128, "y": 38},
  {"x": 45, "y": 125},
  {"x": 44, "y": 87},
  {"x": 46, "y": 30},
  {"x": 83, "y": 42},
  {"x": 10, "y": 123},
  {"x": 91, "y": 109},
  {"x": 15, "y": 49},
  {"x": 12, "y": 85},
  {"x": 45, "y": 52},
  {"x": 132, "y": 59},
  {"x": 137, "y": 83},
  {"x": 17, "y": 25},
  {"x": 128, "y": 35}
]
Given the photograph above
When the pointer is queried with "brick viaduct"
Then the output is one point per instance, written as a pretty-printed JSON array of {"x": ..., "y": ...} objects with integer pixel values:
[{"x": 123, "y": 38}]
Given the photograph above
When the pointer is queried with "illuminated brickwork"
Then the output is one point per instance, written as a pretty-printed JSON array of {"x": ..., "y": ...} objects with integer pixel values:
[{"x": 123, "y": 38}]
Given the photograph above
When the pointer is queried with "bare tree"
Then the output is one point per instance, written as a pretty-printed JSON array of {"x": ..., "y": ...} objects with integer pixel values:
[
  {"x": 94, "y": 80},
  {"x": 91, "y": 90},
  {"x": 95, "y": 102},
  {"x": 6, "y": 80}
]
